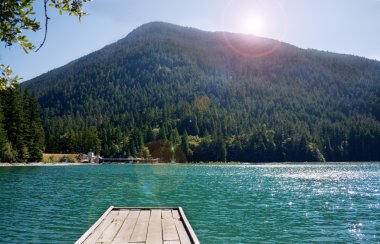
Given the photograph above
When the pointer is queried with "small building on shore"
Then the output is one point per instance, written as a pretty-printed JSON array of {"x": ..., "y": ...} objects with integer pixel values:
[{"x": 90, "y": 157}]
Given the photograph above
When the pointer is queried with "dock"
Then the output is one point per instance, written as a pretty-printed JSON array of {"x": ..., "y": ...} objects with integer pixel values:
[
  {"x": 150, "y": 225},
  {"x": 129, "y": 160}
]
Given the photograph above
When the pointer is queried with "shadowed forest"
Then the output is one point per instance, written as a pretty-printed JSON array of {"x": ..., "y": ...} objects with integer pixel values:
[{"x": 211, "y": 96}]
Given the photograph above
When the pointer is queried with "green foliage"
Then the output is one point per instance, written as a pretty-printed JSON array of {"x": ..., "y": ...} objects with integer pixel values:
[
  {"x": 185, "y": 146},
  {"x": 72, "y": 7},
  {"x": 7, "y": 80},
  {"x": 5, "y": 147},
  {"x": 67, "y": 160},
  {"x": 292, "y": 105},
  {"x": 144, "y": 152},
  {"x": 52, "y": 159},
  {"x": 17, "y": 16},
  {"x": 8, "y": 154},
  {"x": 21, "y": 132},
  {"x": 314, "y": 154},
  {"x": 220, "y": 149},
  {"x": 175, "y": 139},
  {"x": 63, "y": 158}
]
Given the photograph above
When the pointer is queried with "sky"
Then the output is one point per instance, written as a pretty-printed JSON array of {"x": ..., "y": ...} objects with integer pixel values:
[{"x": 342, "y": 26}]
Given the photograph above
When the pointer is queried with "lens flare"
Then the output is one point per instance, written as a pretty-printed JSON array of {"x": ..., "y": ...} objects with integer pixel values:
[
  {"x": 258, "y": 18},
  {"x": 254, "y": 25}
]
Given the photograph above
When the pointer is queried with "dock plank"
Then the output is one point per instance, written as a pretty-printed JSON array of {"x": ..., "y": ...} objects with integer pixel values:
[
  {"x": 126, "y": 229},
  {"x": 140, "y": 232},
  {"x": 169, "y": 231},
  {"x": 175, "y": 214},
  {"x": 154, "y": 235},
  {"x": 172, "y": 242},
  {"x": 186, "y": 223},
  {"x": 109, "y": 234},
  {"x": 167, "y": 214},
  {"x": 96, "y": 233},
  {"x": 183, "y": 235}
]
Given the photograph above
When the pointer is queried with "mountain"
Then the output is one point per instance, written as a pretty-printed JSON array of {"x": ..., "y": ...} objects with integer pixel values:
[{"x": 231, "y": 96}]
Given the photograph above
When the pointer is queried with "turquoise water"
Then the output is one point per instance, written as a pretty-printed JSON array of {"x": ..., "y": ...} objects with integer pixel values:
[{"x": 224, "y": 204}]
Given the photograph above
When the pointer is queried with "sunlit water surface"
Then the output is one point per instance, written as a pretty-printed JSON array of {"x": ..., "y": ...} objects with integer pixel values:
[{"x": 224, "y": 204}]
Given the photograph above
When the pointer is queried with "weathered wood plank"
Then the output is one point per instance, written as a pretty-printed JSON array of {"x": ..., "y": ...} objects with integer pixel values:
[
  {"x": 172, "y": 242},
  {"x": 187, "y": 225},
  {"x": 155, "y": 215},
  {"x": 183, "y": 235},
  {"x": 175, "y": 214},
  {"x": 109, "y": 234},
  {"x": 90, "y": 230},
  {"x": 97, "y": 232},
  {"x": 126, "y": 229},
  {"x": 141, "y": 228},
  {"x": 167, "y": 214},
  {"x": 169, "y": 231},
  {"x": 154, "y": 235}
]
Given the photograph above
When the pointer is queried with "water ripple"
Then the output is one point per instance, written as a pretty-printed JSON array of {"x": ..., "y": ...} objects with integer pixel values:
[{"x": 225, "y": 204}]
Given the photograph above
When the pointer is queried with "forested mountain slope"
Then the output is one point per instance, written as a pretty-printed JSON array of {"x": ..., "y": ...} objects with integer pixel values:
[{"x": 217, "y": 96}]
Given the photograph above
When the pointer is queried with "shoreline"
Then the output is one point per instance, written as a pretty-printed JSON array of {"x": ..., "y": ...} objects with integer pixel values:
[
  {"x": 43, "y": 164},
  {"x": 280, "y": 164}
]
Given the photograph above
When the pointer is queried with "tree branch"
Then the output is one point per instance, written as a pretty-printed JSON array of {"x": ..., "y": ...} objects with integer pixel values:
[{"x": 46, "y": 25}]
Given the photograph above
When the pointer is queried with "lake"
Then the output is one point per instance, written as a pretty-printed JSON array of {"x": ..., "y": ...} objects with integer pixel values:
[{"x": 268, "y": 203}]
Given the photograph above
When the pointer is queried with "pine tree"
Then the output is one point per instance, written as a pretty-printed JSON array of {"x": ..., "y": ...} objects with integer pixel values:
[
  {"x": 220, "y": 149},
  {"x": 35, "y": 133},
  {"x": 162, "y": 135},
  {"x": 132, "y": 149},
  {"x": 150, "y": 135},
  {"x": 185, "y": 146},
  {"x": 97, "y": 144},
  {"x": 3, "y": 136},
  {"x": 15, "y": 124},
  {"x": 174, "y": 137}
]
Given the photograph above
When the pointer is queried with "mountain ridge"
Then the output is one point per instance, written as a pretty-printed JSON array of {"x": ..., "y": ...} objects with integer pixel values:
[
  {"x": 160, "y": 76},
  {"x": 153, "y": 24}
]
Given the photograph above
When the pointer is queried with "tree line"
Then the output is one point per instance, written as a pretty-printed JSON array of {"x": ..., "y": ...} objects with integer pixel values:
[
  {"x": 356, "y": 141},
  {"x": 21, "y": 132}
]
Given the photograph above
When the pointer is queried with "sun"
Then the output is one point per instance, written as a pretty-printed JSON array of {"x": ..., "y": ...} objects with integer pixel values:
[{"x": 254, "y": 25}]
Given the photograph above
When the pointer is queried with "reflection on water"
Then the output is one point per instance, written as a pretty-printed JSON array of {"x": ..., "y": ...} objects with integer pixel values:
[
  {"x": 225, "y": 204},
  {"x": 323, "y": 174}
]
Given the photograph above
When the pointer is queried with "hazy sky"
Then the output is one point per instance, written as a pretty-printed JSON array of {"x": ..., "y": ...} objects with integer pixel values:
[{"x": 343, "y": 26}]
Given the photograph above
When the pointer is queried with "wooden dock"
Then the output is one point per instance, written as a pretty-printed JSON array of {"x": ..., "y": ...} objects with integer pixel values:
[
  {"x": 129, "y": 160},
  {"x": 141, "y": 225}
]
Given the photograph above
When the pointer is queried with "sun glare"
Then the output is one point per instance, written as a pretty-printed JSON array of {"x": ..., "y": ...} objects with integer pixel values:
[
  {"x": 254, "y": 25},
  {"x": 259, "y": 18}
]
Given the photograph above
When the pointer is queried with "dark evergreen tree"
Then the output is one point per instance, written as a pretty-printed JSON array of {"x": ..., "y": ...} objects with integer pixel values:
[
  {"x": 163, "y": 134},
  {"x": 16, "y": 124},
  {"x": 21, "y": 133},
  {"x": 220, "y": 149},
  {"x": 34, "y": 137},
  {"x": 185, "y": 146},
  {"x": 175, "y": 139},
  {"x": 3, "y": 137}
]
